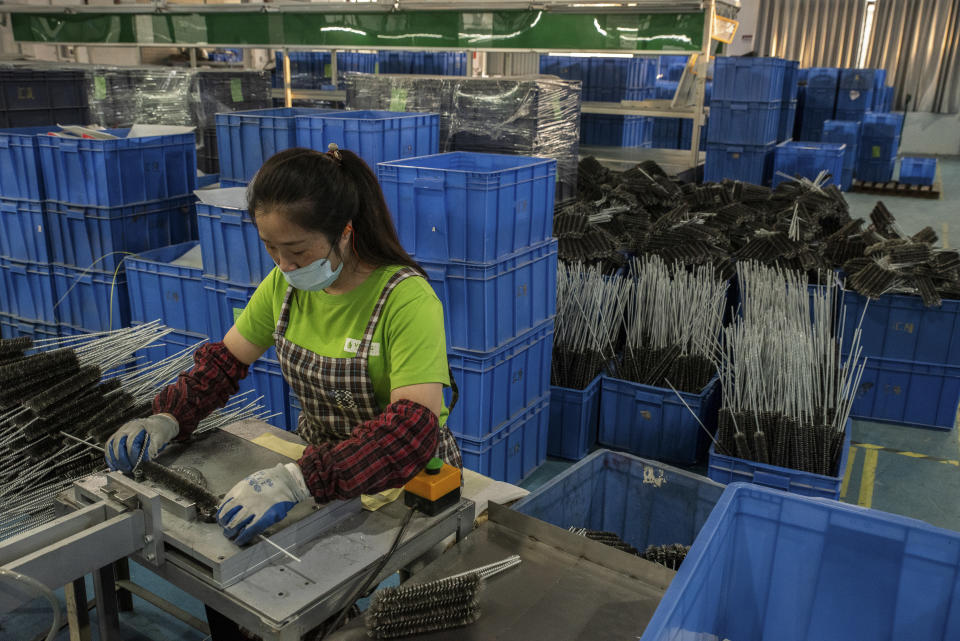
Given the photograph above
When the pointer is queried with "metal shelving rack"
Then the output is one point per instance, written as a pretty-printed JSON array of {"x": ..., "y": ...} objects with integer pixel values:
[{"x": 640, "y": 27}]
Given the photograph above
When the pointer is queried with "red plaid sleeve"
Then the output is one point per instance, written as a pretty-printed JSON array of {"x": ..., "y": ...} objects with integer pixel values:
[
  {"x": 214, "y": 378},
  {"x": 380, "y": 454}
]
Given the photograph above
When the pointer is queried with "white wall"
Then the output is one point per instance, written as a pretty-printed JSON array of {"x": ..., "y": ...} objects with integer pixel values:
[
  {"x": 743, "y": 41},
  {"x": 931, "y": 134}
]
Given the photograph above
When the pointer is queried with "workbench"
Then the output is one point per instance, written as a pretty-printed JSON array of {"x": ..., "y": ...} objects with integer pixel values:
[{"x": 280, "y": 599}]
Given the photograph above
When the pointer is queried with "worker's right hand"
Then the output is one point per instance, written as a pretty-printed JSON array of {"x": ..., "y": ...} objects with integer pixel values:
[{"x": 149, "y": 435}]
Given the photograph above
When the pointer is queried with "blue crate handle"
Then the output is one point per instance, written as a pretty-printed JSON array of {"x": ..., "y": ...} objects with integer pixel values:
[
  {"x": 69, "y": 145},
  {"x": 17, "y": 269},
  {"x": 4, "y": 142},
  {"x": 651, "y": 399},
  {"x": 73, "y": 214},
  {"x": 776, "y": 481},
  {"x": 8, "y": 206},
  {"x": 428, "y": 183}
]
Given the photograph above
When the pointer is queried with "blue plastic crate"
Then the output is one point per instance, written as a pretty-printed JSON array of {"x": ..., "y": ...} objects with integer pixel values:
[
  {"x": 846, "y": 178},
  {"x": 375, "y": 136},
  {"x": 811, "y": 569},
  {"x": 110, "y": 173},
  {"x": 265, "y": 378},
  {"x": 882, "y": 125},
  {"x": 911, "y": 393},
  {"x": 91, "y": 299},
  {"x": 878, "y": 147},
  {"x": 849, "y": 100},
  {"x": 880, "y": 171},
  {"x": 807, "y": 159},
  {"x": 726, "y": 468},
  {"x": 231, "y": 246},
  {"x": 811, "y": 124},
  {"x": 652, "y": 422},
  {"x": 486, "y": 306},
  {"x": 293, "y": 412},
  {"x": 643, "y": 502},
  {"x": 823, "y": 77},
  {"x": 749, "y": 163},
  {"x": 744, "y": 123},
  {"x": 247, "y": 139},
  {"x": 514, "y": 451},
  {"x": 917, "y": 171},
  {"x": 846, "y": 132},
  {"x": 207, "y": 180},
  {"x": 225, "y": 301},
  {"x": 666, "y": 89},
  {"x": 849, "y": 114},
  {"x": 791, "y": 76},
  {"x": 902, "y": 327},
  {"x": 468, "y": 206},
  {"x": 787, "y": 120},
  {"x": 102, "y": 237},
  {"x": 20, "y": 175},
  {"x": 494, "y": 387},
  {"x": 27, "y": 290},
  {"x": 574, "y": 417},
  {"x": 686, "y": 134},
  {"x": 13, "y": 326},
  {"x": 751, "y": 79},
  {"x": 163, "y": 286},
  {"x": 859, "y": 79},
  {"x": 820, "y": 98},
  {"x": 23, "y": 230}
]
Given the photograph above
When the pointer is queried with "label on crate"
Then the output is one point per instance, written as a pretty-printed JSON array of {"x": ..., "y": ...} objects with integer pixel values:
[
  {"x": 875, "y": 151},
  {"x": 398, "y": 99},
  {"x": 236, "y": 314},
  {"x": 99, "y": 88},
  {"x": 236, "y": 89},
  {"x": 328, "y": 70}
]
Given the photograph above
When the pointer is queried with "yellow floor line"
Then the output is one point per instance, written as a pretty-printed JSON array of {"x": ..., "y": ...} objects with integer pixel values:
[
  {"x": 851, "y": 459},
  {"x": 867, "y": 477}
]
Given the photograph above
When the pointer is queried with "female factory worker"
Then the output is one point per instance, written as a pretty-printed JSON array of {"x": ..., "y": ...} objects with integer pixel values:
[{"x": 359, "y": 335}]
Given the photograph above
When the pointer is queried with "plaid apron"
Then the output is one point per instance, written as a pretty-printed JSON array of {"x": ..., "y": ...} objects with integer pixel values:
[{"x": 336, "y": 394}]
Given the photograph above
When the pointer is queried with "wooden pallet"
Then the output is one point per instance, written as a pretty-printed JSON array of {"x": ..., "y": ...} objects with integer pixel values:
[{"x": 894, "y": 188}]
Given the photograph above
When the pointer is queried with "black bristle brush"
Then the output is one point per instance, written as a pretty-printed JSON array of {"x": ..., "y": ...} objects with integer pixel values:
[
  {"x": 86, "y": 377},
  {"x": 206, "y": 502},
  {"x": 427, "y": 607},
  {"x": 57, "y": 360}
]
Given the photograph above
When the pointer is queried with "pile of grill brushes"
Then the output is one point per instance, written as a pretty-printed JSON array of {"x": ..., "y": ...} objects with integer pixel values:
[
  {"x": 672, "y": 321},
  {"x": 587, "y": 321},
  {"x": 786, "y": 389},
  {"x": 802, "y": 225},
  {"x": 59, "y": 396},
  {"x": 669, "y": 556}
]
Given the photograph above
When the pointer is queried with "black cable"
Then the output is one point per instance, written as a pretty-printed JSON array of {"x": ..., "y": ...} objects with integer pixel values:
[{"x": 366, "y": 585}]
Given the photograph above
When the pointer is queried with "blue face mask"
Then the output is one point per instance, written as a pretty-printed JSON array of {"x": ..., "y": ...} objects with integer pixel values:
[{"x": 315, "y": 276}]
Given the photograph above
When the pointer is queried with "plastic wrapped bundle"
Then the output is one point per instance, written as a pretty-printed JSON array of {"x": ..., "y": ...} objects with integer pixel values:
[
  {"x": 216, "y": 91},
  {"x": 525, "y": 115}
]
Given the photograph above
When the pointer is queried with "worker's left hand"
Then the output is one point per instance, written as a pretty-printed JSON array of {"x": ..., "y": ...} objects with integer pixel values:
[{"x": 260, "y": 500}]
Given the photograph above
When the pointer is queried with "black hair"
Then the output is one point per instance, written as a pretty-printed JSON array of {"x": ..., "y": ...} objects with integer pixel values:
[{"x": 321, "y": 192}]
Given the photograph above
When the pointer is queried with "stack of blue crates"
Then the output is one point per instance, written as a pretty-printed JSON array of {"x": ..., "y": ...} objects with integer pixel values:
[
  {"x": 855, "y": 93},
  {"x": 912, "y": 374},
  {"x": 819, "y": 101},
  {"x": 431, "y": 63},
  {"x": 745, "y": 117},
  {"x": 26, "y": 283},
  {"x": 247, "y": 139},
  {"x": 609, "y": 80},
  {"x": 879, "y": 142},
  {"x": 106, "y": 199},
  {"x": 848, "y": 133},
  {"x": 480, "y": 225},
  {"x": 234, "y": 263}
]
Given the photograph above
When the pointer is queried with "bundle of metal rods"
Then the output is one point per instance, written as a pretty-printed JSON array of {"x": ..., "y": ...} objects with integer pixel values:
[
  {"x": 787, "y": 389},
  {"x": 672, "y": 321},
  {"x": 587, "y": 321},
  {"x": 63, "y": 397}
]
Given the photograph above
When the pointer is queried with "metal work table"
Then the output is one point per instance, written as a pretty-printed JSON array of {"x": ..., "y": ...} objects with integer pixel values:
[
  {"x": 281, "y": 599},
  {"x": 567, "y": 587}
]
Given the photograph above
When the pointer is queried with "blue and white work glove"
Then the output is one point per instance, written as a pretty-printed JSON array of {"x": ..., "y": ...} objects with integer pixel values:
[
  {"x": 260, "y": 500},
  {"x": 154, "y": 432}
]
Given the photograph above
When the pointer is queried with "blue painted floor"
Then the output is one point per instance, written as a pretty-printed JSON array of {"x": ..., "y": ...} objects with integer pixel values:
[{"x": 903, "y": 470}]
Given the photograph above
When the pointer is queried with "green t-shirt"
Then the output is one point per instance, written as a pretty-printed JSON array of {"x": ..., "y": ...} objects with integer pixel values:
[{"x": 408, "y": 342}]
